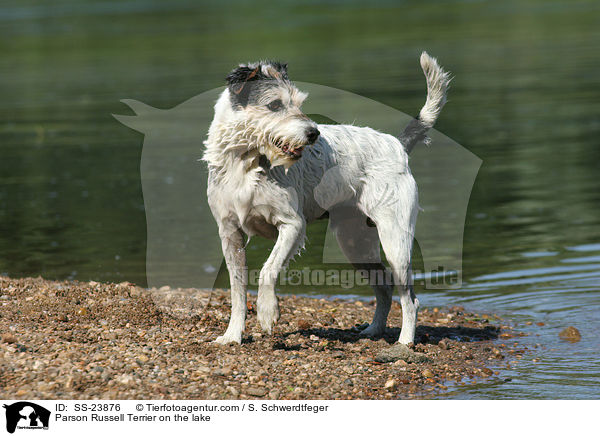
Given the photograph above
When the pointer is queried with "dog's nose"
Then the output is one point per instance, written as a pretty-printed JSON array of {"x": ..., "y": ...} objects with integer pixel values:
[{"x": 312, "y": 134}]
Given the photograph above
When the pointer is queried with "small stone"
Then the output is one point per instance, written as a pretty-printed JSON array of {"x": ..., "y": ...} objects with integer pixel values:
[
  {"x": 9, "y": 338},
  {"x": 203, "y": 369},
  {"x": 328, "y": 320},
  {"x": 125, "y": 379},
  {"x": 274, "y": 394},
  {"x": 443, "y": 344},
  {"x": 303, "y": 324},
  {"x": 400, "y": 351},
  {"x": 111, "y": 336},
  {"x": 486, "y": 372},
  {"x": 223, "y": 372},
  {"x": 427, "y": 373},
  {"x": 232, "y": 391},
  {"x": 497, "y": 353},
  {"x": 570, "y": 334},
  {"x": 256, "y": 392},
  {"x": 391, "y": 384}
]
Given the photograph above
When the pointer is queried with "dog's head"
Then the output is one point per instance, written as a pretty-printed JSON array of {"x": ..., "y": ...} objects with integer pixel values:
[{"x": 268, "y": 104}]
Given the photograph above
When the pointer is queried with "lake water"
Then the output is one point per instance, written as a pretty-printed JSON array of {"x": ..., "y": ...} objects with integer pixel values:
[{"x": 524, "y": 100}]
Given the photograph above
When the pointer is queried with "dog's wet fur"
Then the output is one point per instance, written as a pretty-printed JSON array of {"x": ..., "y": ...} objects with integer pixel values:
[{"x": 272, "y": 170}]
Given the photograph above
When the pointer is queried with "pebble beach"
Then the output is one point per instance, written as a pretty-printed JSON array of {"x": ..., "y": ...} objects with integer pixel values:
[{"x": 89, "y": 340}]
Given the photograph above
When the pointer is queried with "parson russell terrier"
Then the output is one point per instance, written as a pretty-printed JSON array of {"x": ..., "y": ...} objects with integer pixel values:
[{"x": 272, "y": 170}]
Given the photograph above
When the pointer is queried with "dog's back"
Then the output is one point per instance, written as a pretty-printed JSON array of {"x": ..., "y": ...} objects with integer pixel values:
[{"x": 336, "y": 168}]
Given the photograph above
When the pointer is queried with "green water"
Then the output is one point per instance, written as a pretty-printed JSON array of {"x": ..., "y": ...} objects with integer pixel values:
[{"x": 524, "y": 100}]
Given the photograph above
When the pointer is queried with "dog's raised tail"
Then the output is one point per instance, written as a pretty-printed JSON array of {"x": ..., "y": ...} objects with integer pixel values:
[{"x": 437, "y": 85}]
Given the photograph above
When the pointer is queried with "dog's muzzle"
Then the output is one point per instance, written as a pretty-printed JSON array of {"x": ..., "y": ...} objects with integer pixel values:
[{"x": 312, "y": 134}]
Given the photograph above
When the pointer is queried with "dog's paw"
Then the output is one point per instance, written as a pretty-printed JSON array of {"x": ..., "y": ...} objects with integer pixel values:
[
  {"x": 228, "y": 338},
  {"x": 268, "y": 316},
  {"x": 373, "y": 331}
]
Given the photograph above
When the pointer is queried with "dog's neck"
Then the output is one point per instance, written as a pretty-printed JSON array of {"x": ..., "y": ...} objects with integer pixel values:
[{"x": 228, "y": 147}]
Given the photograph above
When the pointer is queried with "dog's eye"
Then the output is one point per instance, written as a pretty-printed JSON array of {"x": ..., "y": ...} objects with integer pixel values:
[{"x": 275, "y": 105}]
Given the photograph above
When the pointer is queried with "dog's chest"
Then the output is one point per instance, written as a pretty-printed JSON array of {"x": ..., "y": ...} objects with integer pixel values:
[
  {"x": 256, "y": 215},
  {"x": 249, "y": 204}
]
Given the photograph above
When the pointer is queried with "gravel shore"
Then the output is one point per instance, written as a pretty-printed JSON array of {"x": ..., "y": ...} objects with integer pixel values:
[{"x": 88, "y": 340}]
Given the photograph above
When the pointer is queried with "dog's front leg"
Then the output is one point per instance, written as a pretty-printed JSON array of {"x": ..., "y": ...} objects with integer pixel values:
[
  {"x": 291, "y": 236},
  {"x": 232, "y": 242}
]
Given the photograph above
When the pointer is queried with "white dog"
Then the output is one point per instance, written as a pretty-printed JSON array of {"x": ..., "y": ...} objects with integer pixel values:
[{"x": 272, "y": 170}]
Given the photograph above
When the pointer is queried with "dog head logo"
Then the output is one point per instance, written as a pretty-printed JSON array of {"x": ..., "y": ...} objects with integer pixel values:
[
  {"x": 183, "y": 244},
  {"x": 26, "y": 415}
]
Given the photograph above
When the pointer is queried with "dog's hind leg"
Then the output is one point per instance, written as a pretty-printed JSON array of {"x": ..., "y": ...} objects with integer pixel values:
[
  {"x": 397, "y": 245},
  {"x": 360, "y": 245},
  {"x": 232, "y": 242},
  {"x": 383, "y": 296},
  {"x": 289, "y": 241},
  {"x": 395, "y": 224}
]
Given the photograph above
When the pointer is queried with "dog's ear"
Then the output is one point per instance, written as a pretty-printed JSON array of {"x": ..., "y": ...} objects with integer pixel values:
[
  {"x": 238, "y": 80},
  {"x": 281, "y": 69}
]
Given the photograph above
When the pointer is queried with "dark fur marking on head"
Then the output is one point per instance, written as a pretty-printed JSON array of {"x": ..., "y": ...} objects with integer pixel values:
[
  {"x": 241, "y": 81},
  {"x": 281, "y": 68}
]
